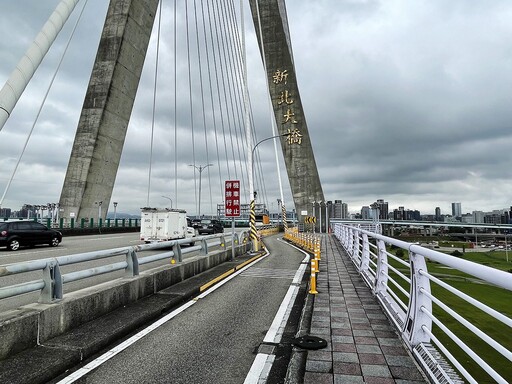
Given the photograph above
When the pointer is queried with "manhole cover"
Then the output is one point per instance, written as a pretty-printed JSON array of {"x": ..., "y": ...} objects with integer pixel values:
[{"x": 309, "y": 342}]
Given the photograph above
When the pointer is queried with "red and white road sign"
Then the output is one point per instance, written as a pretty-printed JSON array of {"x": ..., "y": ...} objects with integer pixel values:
[{"x": 232, "y": 198}]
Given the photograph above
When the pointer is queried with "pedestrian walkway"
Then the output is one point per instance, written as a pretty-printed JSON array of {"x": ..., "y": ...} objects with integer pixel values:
[{"x": 363, "y": 346}]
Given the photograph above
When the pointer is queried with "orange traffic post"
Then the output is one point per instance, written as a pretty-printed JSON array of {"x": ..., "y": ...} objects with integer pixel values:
[
  {"x": 317, "y": 249},
  {"x": 312, "y": 283}
]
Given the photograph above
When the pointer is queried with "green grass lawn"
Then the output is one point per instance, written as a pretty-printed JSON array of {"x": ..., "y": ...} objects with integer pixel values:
[{"x": 497, "y": 298}]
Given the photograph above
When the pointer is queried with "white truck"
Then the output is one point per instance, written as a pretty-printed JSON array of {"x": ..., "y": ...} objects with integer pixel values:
[{"x": 163, "y": 224}]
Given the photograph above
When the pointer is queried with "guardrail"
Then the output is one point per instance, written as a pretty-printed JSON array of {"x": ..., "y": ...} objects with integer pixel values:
[
  {"x": 439, "y": 318},
  {"x": 52, "y": 282}
]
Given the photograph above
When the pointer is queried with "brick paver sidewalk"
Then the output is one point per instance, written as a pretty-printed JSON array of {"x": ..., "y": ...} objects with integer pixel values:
[{"x": 362, "y": 344}]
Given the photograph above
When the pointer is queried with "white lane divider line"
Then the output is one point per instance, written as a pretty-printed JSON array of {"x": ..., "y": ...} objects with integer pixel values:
[
  {"x": 262, "y": 364},
  {"x": 125, "y": 344}
]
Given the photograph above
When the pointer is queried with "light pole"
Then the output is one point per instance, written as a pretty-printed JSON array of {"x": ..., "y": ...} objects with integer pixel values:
[
  {"x": 326, "y": 219},
  {"x": 200, "y": 169},
  {"x": 252, "y": 215},
  {"x": 279, "y": 211},
  {"x": 115, "y": 211},
  {"x": 320, "y": 209},
  {"x": 99, "y": 211},
  {"x": 167, "y": 197}
]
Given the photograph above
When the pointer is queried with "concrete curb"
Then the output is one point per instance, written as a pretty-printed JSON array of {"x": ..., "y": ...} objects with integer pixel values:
[{"x": 297, "y": 365}]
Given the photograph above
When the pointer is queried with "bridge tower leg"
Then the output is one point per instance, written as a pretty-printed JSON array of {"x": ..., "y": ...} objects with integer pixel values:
[
  {"x": 275, "y": 47},
  {"x": 107, "y": 108}
]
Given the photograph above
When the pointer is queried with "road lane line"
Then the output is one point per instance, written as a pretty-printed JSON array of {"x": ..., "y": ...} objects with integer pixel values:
[
  {"x": 125, "y": 344},
  {"x": 262, "y": 364}
]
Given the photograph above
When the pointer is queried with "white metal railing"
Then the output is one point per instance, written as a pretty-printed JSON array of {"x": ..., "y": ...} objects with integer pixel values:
[
  {"x": 52, "y": 281},
  {"x": 405, "y": 288}
]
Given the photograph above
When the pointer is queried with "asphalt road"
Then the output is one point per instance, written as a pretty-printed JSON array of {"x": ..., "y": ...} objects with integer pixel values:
[
  {"x": 215, "y": 340},
  {"x": 70, "y": 246}
]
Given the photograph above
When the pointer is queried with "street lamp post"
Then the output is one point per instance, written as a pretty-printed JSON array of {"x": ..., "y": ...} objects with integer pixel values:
[
  {"x": 326, "y": 219},
  {"x": 252, "y": 215},
  {"x": 99, "y": 212},
  {"x": 200, "y": 169},
  {"x": 115, "y": 212},
  {"x": 167, "y": 197},
  {"x": 320, "y": 210},
  {"x": 279, "y": 216}
]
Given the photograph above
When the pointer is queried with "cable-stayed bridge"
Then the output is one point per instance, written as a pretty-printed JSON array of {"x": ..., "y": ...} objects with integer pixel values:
[
  {"x": 211, "y": 117},
  {"x": 217, "y": 110}
]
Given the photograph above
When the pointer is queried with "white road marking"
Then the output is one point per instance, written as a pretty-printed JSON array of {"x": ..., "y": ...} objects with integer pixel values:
[
  {"x": 121, "y": 347},
  {"x": 263, "y": 362}
]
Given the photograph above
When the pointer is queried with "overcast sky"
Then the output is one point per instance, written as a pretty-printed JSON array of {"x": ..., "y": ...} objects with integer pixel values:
[{"x": 406, "y": 100}]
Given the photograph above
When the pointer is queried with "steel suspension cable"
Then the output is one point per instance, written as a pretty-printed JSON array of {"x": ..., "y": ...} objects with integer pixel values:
[
  {"x": 43, "y": 102},
  {"x": 154, "y": 101},
  {"x": 231, "y": 77},
  {"x": 203, "y": 104},
  {"x": 221, "y": 47},
  {"x": 218, "y": 90},
  {"x": 237, "y": 53},
  {"x": 191, "y": 107},
  {"x": 212, "y": 100},
  {"x": 175, "y": 105}
]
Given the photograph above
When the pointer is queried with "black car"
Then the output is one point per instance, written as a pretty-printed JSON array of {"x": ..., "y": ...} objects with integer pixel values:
[
  {"x": 208, "y": 226},
  {"x": 196, "y": 223},
  {"x": 14, "y": 234}
]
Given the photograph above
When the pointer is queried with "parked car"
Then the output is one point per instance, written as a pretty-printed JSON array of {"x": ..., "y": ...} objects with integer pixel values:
[
  {"x": 209, "y": 226},
  {"x": 14, "y": 234}
]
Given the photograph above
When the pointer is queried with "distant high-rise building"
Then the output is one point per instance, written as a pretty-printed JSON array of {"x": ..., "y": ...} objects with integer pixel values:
[
  {"x": 383, "y": 209},
  {"x": 338, "y": 209},
  {"x": 438, "y": 214},
  {"x": 478, "y": 217},
  {"x": 365, "y": 212},
  {"x": 344, "y": 210},
  {"x": 467, "y": 218},
  {"x": 456, "y": 210},
  {"x": 5, "y": 213}
]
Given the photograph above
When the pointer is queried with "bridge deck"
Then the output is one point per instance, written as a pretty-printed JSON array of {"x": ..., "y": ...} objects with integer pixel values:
[{"x": 363, "y": 346}]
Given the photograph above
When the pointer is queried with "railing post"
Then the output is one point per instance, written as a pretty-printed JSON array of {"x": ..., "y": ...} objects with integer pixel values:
[
  {"x": 381, "y": 275},
  {"x": 365, "y": 257},
  {"x": 350, "y": 245},
  {"x": 355, "y": 248},
  {"x": 176, "y": 248},
  {"x": 223, "y": 242},
  {"x": 133, "y": 263},
  {"x": 416, "y": 319},
  {"x": 52, "y": 283},
  {"x": 204, "y": 248}
]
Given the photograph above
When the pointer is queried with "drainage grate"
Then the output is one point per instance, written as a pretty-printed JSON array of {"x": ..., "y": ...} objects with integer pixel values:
[{"x": 435, "y": 365}]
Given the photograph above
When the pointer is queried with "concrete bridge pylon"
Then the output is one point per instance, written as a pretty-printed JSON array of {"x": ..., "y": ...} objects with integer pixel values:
[
  {"x": 276, "y": 51},
  {"x": 107, "y": 107}
]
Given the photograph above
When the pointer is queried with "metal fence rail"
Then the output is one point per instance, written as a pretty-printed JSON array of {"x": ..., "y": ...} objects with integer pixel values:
[
  {"x": 52, "y": 281},
  {"x": 428, "y": 323}
]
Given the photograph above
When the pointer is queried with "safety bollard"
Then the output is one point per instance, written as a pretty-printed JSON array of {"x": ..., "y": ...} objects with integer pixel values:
[
  {"x": 317, "y": 250},
  {"x": 312, "y": 283}
]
